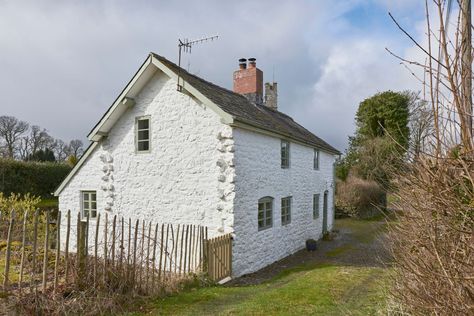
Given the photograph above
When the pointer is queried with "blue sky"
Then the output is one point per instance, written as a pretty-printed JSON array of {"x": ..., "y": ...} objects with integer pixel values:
[{"x": 63, "y": 63}]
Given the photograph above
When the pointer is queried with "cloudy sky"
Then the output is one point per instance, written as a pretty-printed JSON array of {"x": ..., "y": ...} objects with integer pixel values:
[{"x": 62, "y": 63}]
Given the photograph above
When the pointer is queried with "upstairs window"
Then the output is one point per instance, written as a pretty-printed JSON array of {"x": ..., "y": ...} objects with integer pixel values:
[
  {"x": 285, "y": 154},
  {"x": 316, "y": 159},
  {"x": 89, "y": 204},
  {"x": 265, "y": 213},
  {"x": 286, "y": 210},
  {"x": 142, "y": 134},
  {"x": 316, "y": 206}
]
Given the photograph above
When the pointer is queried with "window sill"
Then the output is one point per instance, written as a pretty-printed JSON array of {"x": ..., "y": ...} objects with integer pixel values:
[{"x": 264, "y": 228}]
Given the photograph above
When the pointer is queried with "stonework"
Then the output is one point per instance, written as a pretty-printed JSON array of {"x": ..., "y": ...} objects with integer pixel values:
[
  {"x": 187, "y": 177},
  {"x": 201, "y": 171},
  {"x": 259, "y": 174}
]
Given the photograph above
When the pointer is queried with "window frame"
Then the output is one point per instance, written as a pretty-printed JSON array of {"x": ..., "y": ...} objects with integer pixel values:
[
  {"x": 286, "y": 216},
  {"x": 265, "y": 218},
  {"x": 287, "y": 156},
  {"x": 137, "y": 130},
  {"x": 316, "y": 206},
  {"x": 89, "y": 209},
  {"x": 316, "y": 158}
]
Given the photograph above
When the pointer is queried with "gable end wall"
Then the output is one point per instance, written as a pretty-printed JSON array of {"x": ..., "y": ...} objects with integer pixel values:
[{"x": 186, "y": 178}]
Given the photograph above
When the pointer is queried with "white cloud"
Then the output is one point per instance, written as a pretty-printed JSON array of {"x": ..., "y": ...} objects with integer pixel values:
[{"x": 63, "y": 63}]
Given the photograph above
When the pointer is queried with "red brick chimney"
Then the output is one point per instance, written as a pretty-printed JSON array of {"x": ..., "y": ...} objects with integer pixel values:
[{"x": 248, "y": 81}]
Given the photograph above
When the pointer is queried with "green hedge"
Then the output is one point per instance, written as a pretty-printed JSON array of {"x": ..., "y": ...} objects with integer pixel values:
[{"x": 37, "y": 178}]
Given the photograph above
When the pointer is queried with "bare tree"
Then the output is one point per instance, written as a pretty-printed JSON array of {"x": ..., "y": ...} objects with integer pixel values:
[
  {"x": 39, "y": 139},
  {"x": 421, "y": 127},
  {"x": 11, "y": 130},
  {"x": 61, "y": 150},
  {"x": 76, "y": 147},
  {"x": 432, "y": 238}
]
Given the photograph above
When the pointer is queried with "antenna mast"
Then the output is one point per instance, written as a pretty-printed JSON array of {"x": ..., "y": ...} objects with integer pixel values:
[{"x": 185, "y": 46}]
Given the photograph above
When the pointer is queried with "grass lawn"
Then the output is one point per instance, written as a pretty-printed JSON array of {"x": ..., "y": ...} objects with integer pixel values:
[
  {"x": 317, "y": 290},
  {"x": 307, "y": 289}
]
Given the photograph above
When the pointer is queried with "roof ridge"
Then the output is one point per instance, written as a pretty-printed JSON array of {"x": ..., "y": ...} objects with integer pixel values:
[
  {"x": 217, "y": 86},
  {"x": 238, "y": 106},
  {"x": 197, "y": 77}
]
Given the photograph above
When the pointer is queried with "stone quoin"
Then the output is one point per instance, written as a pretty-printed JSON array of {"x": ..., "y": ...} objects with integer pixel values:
[{"x": 207, "y": 156}]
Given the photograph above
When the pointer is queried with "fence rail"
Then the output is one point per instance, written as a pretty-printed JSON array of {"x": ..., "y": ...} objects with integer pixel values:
[{"x": 47, "y": 251}]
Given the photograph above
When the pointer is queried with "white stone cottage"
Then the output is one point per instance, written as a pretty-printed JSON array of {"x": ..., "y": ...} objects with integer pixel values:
[{"x": 210, "y": 156}]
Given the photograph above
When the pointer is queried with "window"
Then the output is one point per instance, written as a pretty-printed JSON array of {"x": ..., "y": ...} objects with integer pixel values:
[
  {"x": 89, "y": 204},
  {"x": 265, "y": 210},
  {"x": 142, "y": 134},
  {"x": 316, "y": 159},
  {"x": 316, "y": 206},
  {"x": 286, "y": 210},
  {"x": 285, "y": 154}
]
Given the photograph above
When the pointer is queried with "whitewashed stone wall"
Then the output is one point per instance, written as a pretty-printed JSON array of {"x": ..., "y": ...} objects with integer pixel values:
[
  {"x": 186, "y": 178},
  {"x": 259, "y": 174}
]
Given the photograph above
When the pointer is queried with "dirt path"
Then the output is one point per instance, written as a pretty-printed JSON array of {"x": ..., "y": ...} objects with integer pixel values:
[{"x": 354, "y": 243}]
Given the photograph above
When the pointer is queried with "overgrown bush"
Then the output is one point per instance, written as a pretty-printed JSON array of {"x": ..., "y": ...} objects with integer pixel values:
[
  {"x": 360, "y": 198},
  {"x": 37, "y": 178},
  {"x": 21, "y": 204},
  {"x": 432, "y": 239}
]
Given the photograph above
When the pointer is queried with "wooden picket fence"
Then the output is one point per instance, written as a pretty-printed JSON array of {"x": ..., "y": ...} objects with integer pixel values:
[
  {"x": 219, "y": 257},
  {"x": 53, "y": 252}
]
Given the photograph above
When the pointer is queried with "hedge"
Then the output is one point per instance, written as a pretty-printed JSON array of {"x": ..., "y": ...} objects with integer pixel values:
[
  {"x": 360, "y": 198},
  {"x": 36, "y": 178}
]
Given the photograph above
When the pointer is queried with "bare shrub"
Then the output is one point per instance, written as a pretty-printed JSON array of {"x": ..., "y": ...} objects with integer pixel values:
[
  {"x": 433, "y": 240},
  {"x": 359, "y": 198}
]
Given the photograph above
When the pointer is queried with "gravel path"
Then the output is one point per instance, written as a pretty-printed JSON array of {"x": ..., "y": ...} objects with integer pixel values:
[{"x": 353, "y": 242}]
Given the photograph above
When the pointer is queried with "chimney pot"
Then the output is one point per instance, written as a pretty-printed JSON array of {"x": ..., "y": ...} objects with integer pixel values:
[
  {"x": 242, "y": 63},
  {"x": 252, "y": 62}
]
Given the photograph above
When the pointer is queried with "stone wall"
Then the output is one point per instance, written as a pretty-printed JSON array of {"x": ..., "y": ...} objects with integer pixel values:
[
  {"x": 259, "y": 174},
  {"x": 187, "y": 177}
]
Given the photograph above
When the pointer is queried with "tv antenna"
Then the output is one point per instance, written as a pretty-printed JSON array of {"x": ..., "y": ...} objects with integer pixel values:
[{"x": 185, "y": 46}]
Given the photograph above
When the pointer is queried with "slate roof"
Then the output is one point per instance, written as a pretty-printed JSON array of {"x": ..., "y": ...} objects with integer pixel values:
[{"x": 247, "y": 112}]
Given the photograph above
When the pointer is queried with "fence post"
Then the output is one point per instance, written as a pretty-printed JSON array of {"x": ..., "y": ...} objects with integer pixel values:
[
  {"x": 96, "y": 246},
  {"x": 23, "y": 244},
  {"x": 230, "y": 255},
  {"x": 172, "y": 249},
  {"x": 154, "y": 257},
  {"x": 113, "y": 241},
  {"x": 66, "y": 249},
  {"x": 181, "y": 253},
  {"x": 46, "y": 248},
  {"x": 58, "y": 248},
  {"x": 106, "y": 217},
  {"x": 148, "y": 257},
  {"x": 161, "y": 251},
  {"x": 8, "y": 251},
  {"x": 35, "y": 242},
  {"x": 122, "y": 233},
  {"x": 135, "y": 236},
  {"x": 176, "y": 250},
  {"x": 140, "y": 268}
]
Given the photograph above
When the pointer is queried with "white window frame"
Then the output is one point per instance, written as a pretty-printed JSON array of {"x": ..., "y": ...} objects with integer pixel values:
[
  {"x": 92, "y": 211},
  {"x": 284, "y": 157},
  {"x": 286, "y": 203},
  {"x": 316, "y": 205},
  {"x": 137, "y": 130},
  {"x": 267, "y": 213},
  {"x": 316, "y": 159}
]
